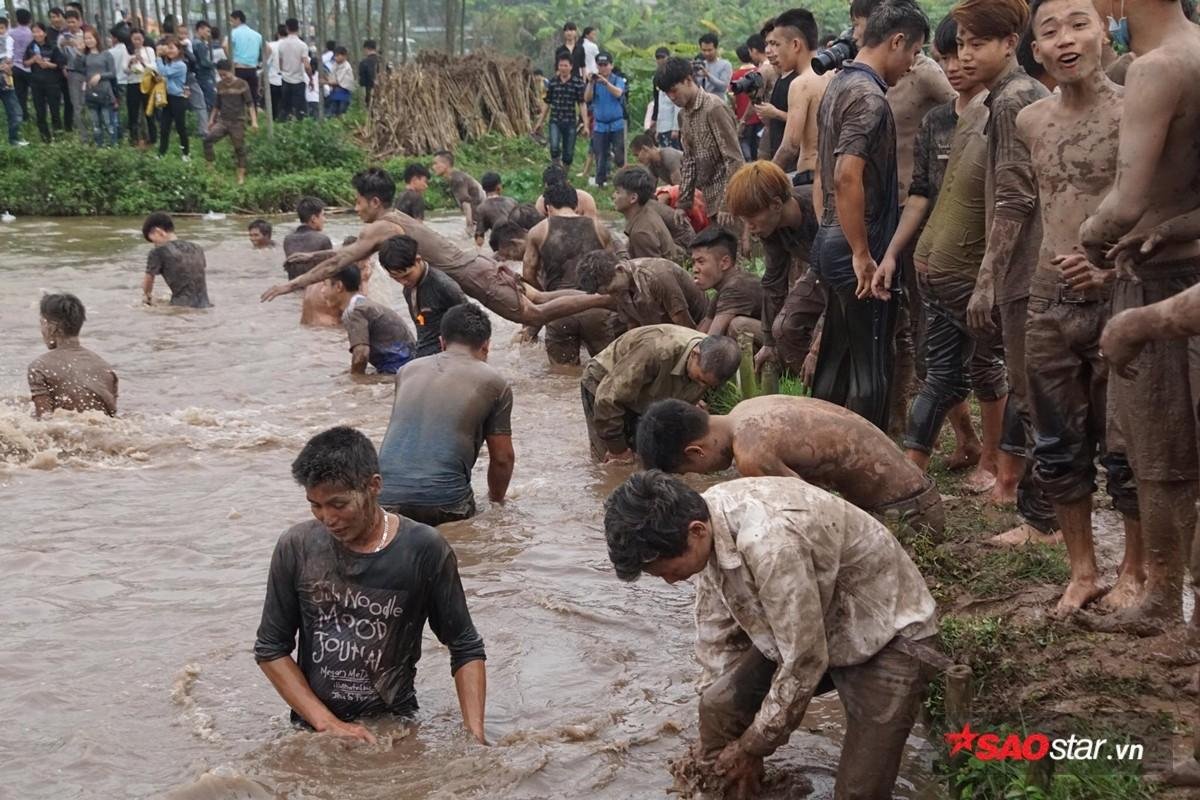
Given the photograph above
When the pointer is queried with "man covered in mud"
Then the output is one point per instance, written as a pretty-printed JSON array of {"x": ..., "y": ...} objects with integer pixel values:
[
  {"x": 647, "y": 234},
  {"x": 782, "y": 217},
  {"x": 376, "y": 333},
  {"x": 181, "y": 263},
  {"x": 465, "y": 190},
  {"x": 358, "y": 585},
  {"x": 309, "y": 236},
  {"x": 1069, "y": 298},
  {"x": 793, "y": 437},
  {"x": 1158, "y": 178},
  {"x": 446, "y": 407},
  {"x": 797, "y": 593},
  {"x": 494, "y": 209},
  {"x": 586, "y": 206},
  {"x": 736, "y": 305},
  {"x": 69, "y": 376},
  {"x": 643, "y": 291},
  {"x": 647, "y": 364},
  {"x": 428, "y": 293}
]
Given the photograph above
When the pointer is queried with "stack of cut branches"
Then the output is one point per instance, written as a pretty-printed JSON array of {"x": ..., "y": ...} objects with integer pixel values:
[{"x": 439, "y": 100}]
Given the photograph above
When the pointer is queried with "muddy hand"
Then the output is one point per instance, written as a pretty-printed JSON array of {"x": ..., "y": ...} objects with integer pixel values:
[
  {"x": 349, "y": 730},
  {"x": 741, "y": 772},
  {"x": 979, "y": 311},
  {"x": 275, "y": 291},
  {"x": 1120, "y": 343},
  {"x": 765, "y": 353},
  {"x": 1078, "y": 272}
]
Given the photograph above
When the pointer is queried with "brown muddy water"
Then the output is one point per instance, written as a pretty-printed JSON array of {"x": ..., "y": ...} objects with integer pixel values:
[{"x": 134, "y": 555}]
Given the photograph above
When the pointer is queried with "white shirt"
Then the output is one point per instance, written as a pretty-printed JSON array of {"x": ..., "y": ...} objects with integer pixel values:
[
  {"x": 668, "y": 115},
  {"x": 312, "y": 89},
  {"x": 590, "y": 51},
  {"x": 274, "y": 76},
  {"x": 292, "y": 55}
]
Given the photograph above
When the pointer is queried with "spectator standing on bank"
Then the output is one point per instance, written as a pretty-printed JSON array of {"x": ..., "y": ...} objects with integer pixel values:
[
  {"x": 605, "y": 95},
  {"x": 715, "y": 73}
]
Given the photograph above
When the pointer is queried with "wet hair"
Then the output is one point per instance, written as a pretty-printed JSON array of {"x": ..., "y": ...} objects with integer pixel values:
[
  {"x": 863, "y": 8},
  {"x": 716, "y": 238},
  {"x": 349, "y": 277},
  {"x": 641, "y": 142},
  {"x": 159, "y": 219},
  {"x": 341, "y": 51},
  {"x": 65, "y": 311},
  {"x": 673, "y": 72},
  {"x": 415, "y": 170},
  {"x": 896, "y": 16},
  {"x": 719, "y": 356},
  {"x": 466, "y": 323},
  {"x": 504, "y": 233},
  {"x": 560, "y": 195},
  {"x": 646, "y": 518},
  {"x": 309, "y": 207},
  {"x": 665, "y": 430},
  {"x": 710, "y": 38},
  {"x": 23, "y": 16},
  {"x": 291, "y": 25},
  {"x": 755, "y": 41},
  {"x": 526, "y": 215},
  {"x": 398, "y": 253},
  {"x": 238, "y": 14},
  {"x": 743, "y": 53},
  {"x": 945, "y": 38},
  {"x": 341, "y": 457},
  {"x": 553, "y": 174},
  {"x": 799, "y": 20},
  {"x": 594, "y": 271},
  {"x": 375, "y": 183},
  {"x": 992, "y": 19},
  {"x": 754, "y": 186},
  {"x": 445, "y": 155},
  {"x": 490, "y": 181},
  {"x": 262, "y": 226},
  {"x": 637, "y": 181}
]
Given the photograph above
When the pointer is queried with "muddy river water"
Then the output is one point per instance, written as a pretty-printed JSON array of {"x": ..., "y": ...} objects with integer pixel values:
[{"x": 134, "y": 553}]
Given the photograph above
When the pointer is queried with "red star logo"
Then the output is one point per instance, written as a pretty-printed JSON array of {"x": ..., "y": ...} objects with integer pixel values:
[{"x": 962, "y": 740}]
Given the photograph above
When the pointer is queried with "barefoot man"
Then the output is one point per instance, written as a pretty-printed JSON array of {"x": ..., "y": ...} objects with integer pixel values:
[
  {"x": 1158, "y": 178},
  {"x": 793, "y": 437},
  {"x": 1072, "y": 139}
]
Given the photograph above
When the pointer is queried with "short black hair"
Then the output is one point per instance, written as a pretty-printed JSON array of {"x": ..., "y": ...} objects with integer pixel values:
[
  {"x": 504, "y": 233},
  {"x": 446, "y": 156},
  {"x": 375, "y": 182},
  {"x": 309, "y": 207},
  {"x": 588, "y": 30},
  {"x": 224, "y": 65},
  {"x": 202, "y": 24},
  {"x": 65, "y": 311},
  {"x": 570, "y": 26},
  {"x": 674, "y": 71},
  {"x": 662, "y": 52},
  {"x": 415, "y": 170},
  {"x": 341, "y": 50},
  {"x": 665, "y": 430},
  {"x": 716, "y": 237},
  {"x": 595, "y": 270},
  {"x": 55, "y": 11},
  {"x": 637, "y": 181},
  {"x": 292, "y": 24},
  {"x": 260, "y": 225},
  {"x": 800, "y": 20},
  {"x": 553, "y": 174},
  {"x": 490, "y": 181},
  {"x": 398, "y": 253},
  {"x": 1025, "y": 54},
  {"x": 238, "y": 14},
  {"x": 23, "y": 16},
  {"x": 330, "y": 44},
  {"x": 945, "y": 38},
  {"x": 341, "y": 457},
  {"x": 641, "y": 142},
  {"x": 710, "y": 38},
  {"x": 561, "y": 58},
  {"x": 743, "y": 53},
  {"x": 71, "y": 13},
  {"x": 466, "y": 323},
  {"x": 349, "y": 276},
  {"x": 159, "y": 219},
  {"x": 646, "y": 518},
  {"x": 370, "y": 44},
  {"x": 3, "y": 20},
  {"x": 560, "y": 195},
  {"x": 755, "y": 41},
  {"x": 896, "y": 16},
  {"x": 526, "y": 215},
  {"x": 863, "y": 8}
]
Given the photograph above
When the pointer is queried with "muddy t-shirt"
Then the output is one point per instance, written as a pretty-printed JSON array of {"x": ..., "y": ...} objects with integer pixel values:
[
  {"x": 382, "y": 330},
  {"x": 433, "y": 248},
  {"x": 360, "y": 616},
  {"x": 465, "y": 189},
  {"x": 668, "y": 164},
  {"x": 304, "y": 240},
  {"x": 740, "y": 295},
  {"x": 445, "y": 407},
  {"x": 182, "y": 265},
  {"x": 492, "y": 212},
  {"x": 233, "y": 100},
  {"x": 411, "y": 202},
  {"x": 74, "y": 378},
  {"x": 428, "y": 302},
  {"x": 661, "y": 290}
]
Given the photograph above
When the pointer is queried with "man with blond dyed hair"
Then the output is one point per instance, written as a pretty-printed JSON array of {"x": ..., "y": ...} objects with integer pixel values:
[{"x": 782, "y": 217}]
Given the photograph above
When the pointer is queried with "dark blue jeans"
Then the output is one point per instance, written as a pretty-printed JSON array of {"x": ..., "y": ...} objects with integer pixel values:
[
  {"x": 12, "y": 110},
  {"x": 562, "y": 141},
  {"x": 608, "y": 146}
]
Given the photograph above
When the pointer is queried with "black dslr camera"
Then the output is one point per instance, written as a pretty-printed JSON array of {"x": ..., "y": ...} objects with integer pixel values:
[
  {"x": 749, "y": 83},
  {"x": 843, "y": 49}
]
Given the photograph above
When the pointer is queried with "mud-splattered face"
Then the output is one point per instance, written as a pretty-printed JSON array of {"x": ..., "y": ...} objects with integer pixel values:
[
  {"x": 349, "y": 514},
  {"x": 690, "y": 562},
  {"x": 709, "y": 265},
  {"x": 1068, "y": 39}
]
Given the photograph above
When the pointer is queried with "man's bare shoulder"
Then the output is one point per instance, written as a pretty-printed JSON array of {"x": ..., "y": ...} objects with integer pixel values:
[
  {"x": 1031, "y": 118},
  {"x": 538, "y": 232}
]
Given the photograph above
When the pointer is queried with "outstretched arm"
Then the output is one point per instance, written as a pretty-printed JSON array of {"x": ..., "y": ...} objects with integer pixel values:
[{"x": 350, "y": 254}]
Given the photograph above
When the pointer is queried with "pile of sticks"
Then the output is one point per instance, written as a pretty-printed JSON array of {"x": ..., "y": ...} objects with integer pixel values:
[{"x": 438, "y": 101}]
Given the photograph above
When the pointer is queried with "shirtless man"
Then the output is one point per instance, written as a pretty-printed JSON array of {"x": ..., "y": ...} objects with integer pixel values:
[
  {"x": 1068, "y": 381},
  {"x": 554, "y": 174},
  {"x": 508, "y": 241},
  {"x": 69, "y": 376},
  {"x": 795, "y": 437},
  {"x": 1158, "y": 178},
  {"x": 481, "y": 278},
  {"x": 791, "y": 40},
  {"x": 551, "y": 250}
]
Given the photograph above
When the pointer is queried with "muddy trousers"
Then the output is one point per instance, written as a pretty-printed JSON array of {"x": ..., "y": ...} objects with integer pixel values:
[
  {"x": 854, "y": 368},
  {"x": 797, "y": 322},
  {"x": 881, "y": 696},
  {"x": 594, "y": 329},
  {"x": 598, "y": 446},
  {"x": 436, "y": 515}
]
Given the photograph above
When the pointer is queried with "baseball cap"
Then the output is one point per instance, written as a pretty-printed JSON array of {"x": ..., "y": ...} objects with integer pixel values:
[{"x": 603, "y": 58}]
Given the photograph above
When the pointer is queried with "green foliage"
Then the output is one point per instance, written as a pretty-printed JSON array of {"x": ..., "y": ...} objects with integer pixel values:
[{"x": 310, "y": 144}]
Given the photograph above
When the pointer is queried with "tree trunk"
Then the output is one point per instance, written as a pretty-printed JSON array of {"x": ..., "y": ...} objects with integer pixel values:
[
  {"x": 292, "y": 9},
  {"x": 263, "y": 82},
  {"x": 403, "y": 31},
  {"x": 384, "y": 10},
  {"x": 448, "y": 15},
  {"x": 368, "y": 28},
  {"x": 157, "y": 15},
  {"x": 462, "y": 26},
  {"x": 355, "y": 42}
]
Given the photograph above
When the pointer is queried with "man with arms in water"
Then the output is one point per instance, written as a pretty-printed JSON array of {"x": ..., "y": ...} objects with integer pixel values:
[
  {"x": 377, "y": 334},
  {"x": 181, "y": 263},
  {"x": 358, "y": 585},
  {"x": 643, "y": 291}
]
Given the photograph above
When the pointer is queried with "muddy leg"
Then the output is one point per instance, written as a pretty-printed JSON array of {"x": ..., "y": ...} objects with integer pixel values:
[
  {"x": 1131, "y": 576},
  {"x": 983, "y": 477},
  {"x": 967, "y": 450},
  {"x": 1076, "y": 521}
]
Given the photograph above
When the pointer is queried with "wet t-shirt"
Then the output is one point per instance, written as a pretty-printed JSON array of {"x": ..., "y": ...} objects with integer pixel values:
[
  {"x": 741, "y": 294},
  {"x": 445, "y": 407},
  {"x": 75, "y": 379},
  {"x": 360, "y": 616},
  {"x": 668, "y": 164},
  {"x": 382, "y": 330},
  {"x": 492, "y": 212},
  {"x": 660, "y": 290},
  {"x": 428, "y": 302},
  {"x": 411, "y": 202},
  {"x": 433, "y": 248},
  {"x": 465, "y": 189},
  {"x": 304, "y": 240},
  {"x": 182, "y": 265}
]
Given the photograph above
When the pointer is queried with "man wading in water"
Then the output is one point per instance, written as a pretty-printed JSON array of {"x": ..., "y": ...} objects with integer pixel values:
[{"x": 358, "y": 585}]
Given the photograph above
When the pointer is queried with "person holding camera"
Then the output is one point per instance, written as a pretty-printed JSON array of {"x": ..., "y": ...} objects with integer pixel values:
[
  {"x": 791, "y": 113},
  {"x": 746, "y": 86},
  {"x": 605, "y": 96},
  {"x": 860, "y": 211},
  {"x": 712, "y": 72}
]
